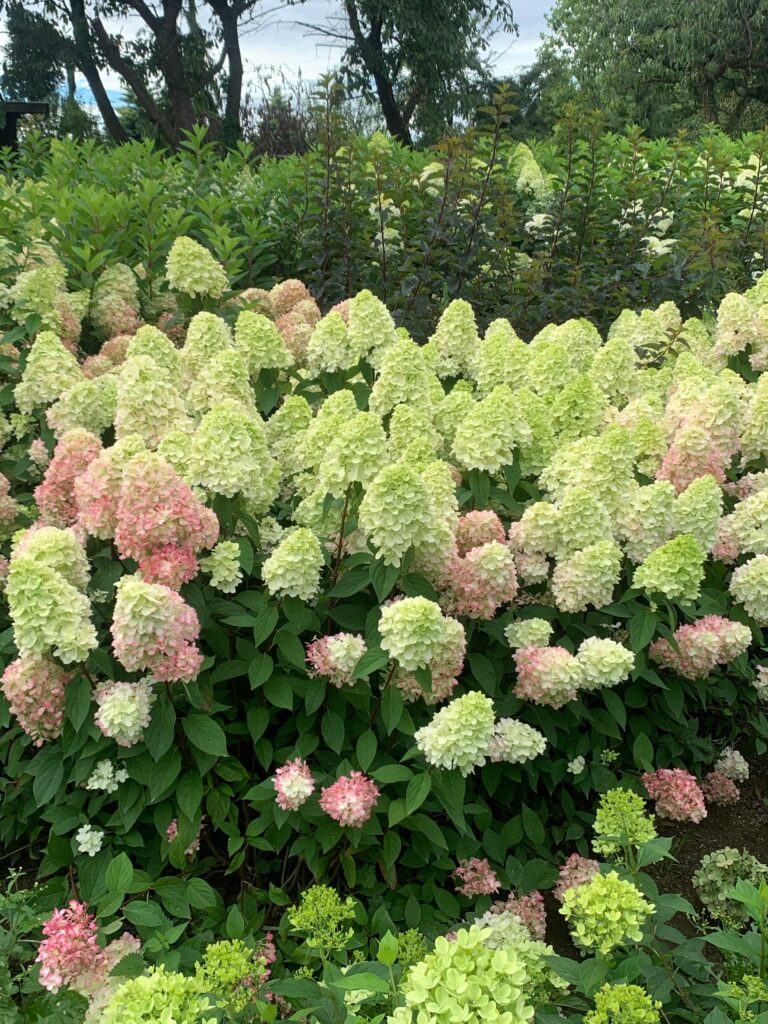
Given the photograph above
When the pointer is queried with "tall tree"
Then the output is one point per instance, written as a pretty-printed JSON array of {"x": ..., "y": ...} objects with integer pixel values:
[
  {"x": 422, "y": 60},
  {"x": 660, "y": 62}
]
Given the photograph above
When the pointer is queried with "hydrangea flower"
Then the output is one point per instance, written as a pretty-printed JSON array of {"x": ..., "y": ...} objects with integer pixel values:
[
  {"x": 676, "y": 793},
  {"x": 602, "y": 663},
  {"x": 460, "y": 734},
  {"x": 528, "y": 633},
  {"x": 105, "y": 777},
  {"x": 294, "y": 784},
  {"x": 50, "y": 370},
  {"x": 124, "y": 710},
  {"x": 293, "y": 569},
  {"x": 411, "y": 631},
  {"x": 623, "y": 1004},
  {"x": 445, "y": 667},
  {"x": 576, "y": 871},
  {"x": 223, "y": 566},
  {"x": 88, "y": 405},
  {"x": 676, "y": 569},
  {"x": 148, "y": 403},
  {"x": 154, "y": 630},
  {"x": 491, "y": 429},
  {"x": 546, "y": 675},
  {"x": 719, "y": 789},
  {"x": 749, "y": 586},
  {"x": 336, "y": 657},
  {"x": 515, "y": 742},
  {"x": 733, "y": 765},
  {"x": 259, "y": 340},
  {"x": 35, "y": 688},
  {"x": 190, "y": 268},
  {"x": 621, "y": 822},
  {"x": 701, "y": 646},
  {"x": 55, "y": 496},
  {"x": 350, "y": 800},
  {"x": 157, "y": 994},
  {"x": 395, "y": 512},
  {"x": 587, "y": 577},
  {"x": 323, "y": 917},
  {"x": 464, "y": 979},
  {"x": 89, "y": 840},
  {"x": 605, "y": 912},
  {"x": 476, "y": 877},
  {"x": 478, "y": 584}
]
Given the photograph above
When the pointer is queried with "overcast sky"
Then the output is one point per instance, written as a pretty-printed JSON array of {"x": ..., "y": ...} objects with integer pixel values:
[{"x": 281, "y": 43}]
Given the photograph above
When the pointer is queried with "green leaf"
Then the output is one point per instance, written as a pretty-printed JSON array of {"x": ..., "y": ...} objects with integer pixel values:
[
  {"x": 158, "y": 736},
  {"x": 389, "y": 773},
  {"x": 532, "y": 826},
  {"x": 144, "y": 914},
  {"x": 119, "y": 874},
  {"x": 388, "y": 950},
  {"x": 257, "y": 720},
  {"x": 278, "y": 692},
  {"x": 351, "y": 582},
  {"x": 205, "y": 734},
  {"x": 291, "y": 648},
  {"x": 332, "y": 728},
  {"x": 483, "y": 671},
  {"x": 373, "y": 660},
  {"x": 78, "y": 697},
  {"x": 383, "y": 578},
  {"x": 362, "y": 982},
  {"x": 417, "y": 792},
  {"x": 642, "y": 628},
  {"x": 189, "y": 794},
  {"x": 366, "y": 749},
  {"x": 235, "y": 925},
  {"x": 200, "y": 894},
  {"x": 391, "y": 708},
  {"x": 642, "y": 752},
  {"x": 264, "y": 625},
  {"x": 48, "y": 769}
]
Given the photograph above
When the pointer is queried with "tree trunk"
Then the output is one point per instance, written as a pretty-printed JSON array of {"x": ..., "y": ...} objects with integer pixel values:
[
  {"x": 228, "y": 17},
  {"x": 171, "y": 63},
  {"x": 126, "y": 70},
  {"x": 85, "y": 61}
]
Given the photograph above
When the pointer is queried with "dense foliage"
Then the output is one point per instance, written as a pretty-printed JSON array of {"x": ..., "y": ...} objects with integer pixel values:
[
  {"x": 293, "y": 600},
  {"x": 587, "y": 224}
]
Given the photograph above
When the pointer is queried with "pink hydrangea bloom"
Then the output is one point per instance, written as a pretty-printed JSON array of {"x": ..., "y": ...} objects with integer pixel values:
[
  {"x": 350, "y": 800},
  {"x": 576, "y": 871},
  {"x": 476, "y": 877},
  {"x": 681, "y": 465},
  {"x": 169, "y": 565},
  {"x": 294, "y": 784},
  {"x": 478, "y": 584},
  {"x": 55, "y": 496},
  {"x": 69, "y": 953},
  {"x": 476, "y": 528},
  {"x": 155, "y": 630},
  {"x": 529, "y": 908},
  {"x": 336, "y": 657},
  {"x": 446, "y": 666},
  {"x": 35, "y": 690},
  {"x": 719, "y": 789},
  {"x": 546, "y": 675},
  {"x": 38, "y": 453},
  {"x": 9, "y": 508},
  {"x": 702, "y": 645},
  {"x": 157, "y": 511},
  {"x": 677, "y": 794},
  {"x": 173, "y": 830}
]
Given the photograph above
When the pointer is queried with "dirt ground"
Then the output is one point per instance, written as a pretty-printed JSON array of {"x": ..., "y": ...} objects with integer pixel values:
[{"x": 743, "y": 825}]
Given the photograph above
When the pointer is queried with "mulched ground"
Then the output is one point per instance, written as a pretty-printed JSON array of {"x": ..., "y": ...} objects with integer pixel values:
[{"x": 743, "y": 825}]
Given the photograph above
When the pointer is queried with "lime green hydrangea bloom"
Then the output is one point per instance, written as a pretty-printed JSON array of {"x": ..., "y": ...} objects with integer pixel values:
[
  {"x": 613, "y": 370},
  {"x": 223, "y": 565},
  {"x": 676, "y": 569},
  {"x": 698, "y": 510},
  {"x": 602, "y": 663},
  {"x": 749, "y": 586},
  {"x": 455, "y": 340},
  {"x": 149, "y": 341},
  {"x": 229, "y": 456},
  {"x": 89, "y": 405},
  {"x": 286, "y": 428},
  {"x": 260, "y": 343},
  {"x": 412, "y": 631},
  {"x": 754, "y": 427},
  {"x": 330, "y": 346},
  {"x": 323, "y": 917},
  {"x": 356, "y": 454},
  {"x": 502, "y": 358},
  {"x": 226, "y": 971},
  {"x": 191, "y": 269},
  {"x": 413, "y": 423},
  {"x": 550, "y": 369},
  {"x": 395, "y": 512},
  {"x": 293, "y": 569},
  {"x": 206, "y": 336},
  {"x": 580, "y": 409},
  {"x": 403, "y": 377},
  {"x": 587, "y": 577},
  {"x": 50, "y": 371},
  {"x": 528, "y": 633},
  {"x": 147, "y": 402},
  {"x": 647, "y": 520},
  {"x": 582, "y": 520},
  {"x": 39, "y": 292},
  {"x": 159, "y": 997},
  {"x": 47, "y": 612},
  {"x": 465, "y": 980},
  {"x": 459, "y": 735},
  {"x": 623, "y": 1004},
  {"x": 58, "y": 549},
  {"x": 224, "y": 377},
  {"x": 370, "y": 326},
  {"x": 605, "y": 912},
  {"x": 450, "y": 411},
  {"x": 490, "y": 431},
  {"x": 621, "y": 822},
  {"x": 748, "y": 525}
]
